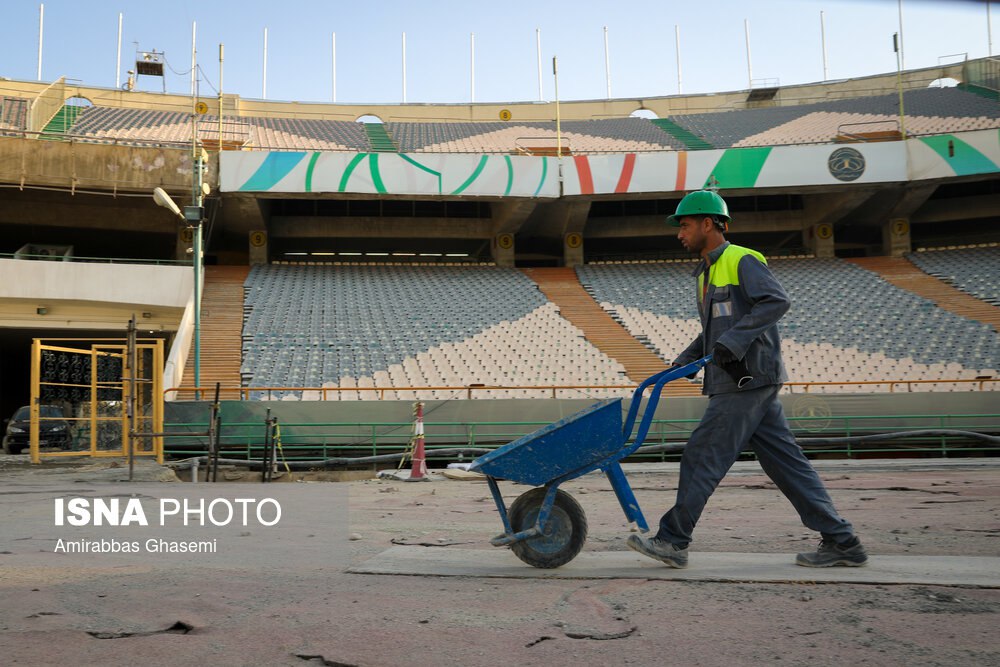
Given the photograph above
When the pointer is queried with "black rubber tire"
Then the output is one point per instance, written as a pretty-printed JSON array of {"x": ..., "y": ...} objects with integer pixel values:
[{"x": 567, "y": 529}]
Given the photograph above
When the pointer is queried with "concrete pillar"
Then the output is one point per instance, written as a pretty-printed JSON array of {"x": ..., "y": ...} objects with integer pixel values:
[
  {"x": 502, "y": 249},
  {"x": 896, "y": 237},
  {"x": 573, "y": 249},
  {"x": 819, "y": 239},
  {"x": 258, "y": 247}
]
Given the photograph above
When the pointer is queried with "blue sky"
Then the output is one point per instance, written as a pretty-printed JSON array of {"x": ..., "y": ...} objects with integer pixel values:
[{"x": 80, "y": 43}]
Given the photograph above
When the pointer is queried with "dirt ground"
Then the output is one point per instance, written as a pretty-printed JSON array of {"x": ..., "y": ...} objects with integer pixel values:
[{"x": 292, "y": 616}]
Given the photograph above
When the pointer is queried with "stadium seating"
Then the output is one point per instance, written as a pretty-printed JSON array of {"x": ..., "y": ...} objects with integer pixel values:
[
  {"x": 835, "y": 331},
  {"x": 586, "y": 136},
  {"x": 124, "y": 125},
  {"x": 398, "y": 326},
  {"x": 13, "y": 113},
  {"x": 975, "y": 271},
  {"x": 927, "y": 111}
]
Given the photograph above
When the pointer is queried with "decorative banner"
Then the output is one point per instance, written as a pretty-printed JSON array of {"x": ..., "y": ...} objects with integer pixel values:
[
  {"x": 449, "y": 174},
  {"x": 439, "y": 174}
]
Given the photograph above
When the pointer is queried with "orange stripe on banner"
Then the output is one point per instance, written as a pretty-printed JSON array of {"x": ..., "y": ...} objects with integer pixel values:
[
  {"x": 583, "y": 172},
  {"x": 626, "y": 176},
  {"x": 682, "y": 169}
]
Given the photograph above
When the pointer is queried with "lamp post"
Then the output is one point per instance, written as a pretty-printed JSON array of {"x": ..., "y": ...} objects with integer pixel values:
[{"x": 193, "y": 216}]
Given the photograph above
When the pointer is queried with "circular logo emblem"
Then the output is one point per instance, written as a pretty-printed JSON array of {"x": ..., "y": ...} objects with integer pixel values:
[
  {"x": 824, "y": 231},
  {"x": 811, "y": 413},
  {"x": 187, "y": 234},
  {"x": 900, "y": 227},
  {"x": 846, "y": 164},
  {"x": 201, "y": 108},
  {"x": 574, "y": 240},
  {"x": 505, "y": 114},
  {"x": 505, "y": 241},
  {"x": 258, "y": 239}
]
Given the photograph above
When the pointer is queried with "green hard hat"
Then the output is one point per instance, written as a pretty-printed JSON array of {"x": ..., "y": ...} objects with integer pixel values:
[{"x": 700, "y": 202}]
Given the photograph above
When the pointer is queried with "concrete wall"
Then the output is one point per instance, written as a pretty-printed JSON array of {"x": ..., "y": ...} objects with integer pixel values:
[
  {"x": 143, "y": 284},
  {"x": 110, "y": 168}
]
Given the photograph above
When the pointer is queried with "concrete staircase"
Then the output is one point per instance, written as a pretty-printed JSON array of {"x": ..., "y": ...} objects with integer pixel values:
[
  {"x": 562, "y": 287},
  {"x": 902, "y": 273},
  {"x": 221, "y": 332}
]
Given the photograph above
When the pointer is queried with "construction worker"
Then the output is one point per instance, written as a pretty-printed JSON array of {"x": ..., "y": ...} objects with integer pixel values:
[{"x": 740, "y": 303}]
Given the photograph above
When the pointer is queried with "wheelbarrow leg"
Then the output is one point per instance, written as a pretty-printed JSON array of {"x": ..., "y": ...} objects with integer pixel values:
[
  {"x": 625, "y": 496},
  {"x": 501, "y": 505}
]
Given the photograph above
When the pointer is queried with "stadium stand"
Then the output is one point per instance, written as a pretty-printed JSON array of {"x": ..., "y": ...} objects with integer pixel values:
[
  {"x": 583, "y": 136},
  {"x": 13, "y": 113},
  {"x": 834, "y": 332},
  {"x": 975, "y": 271},
  {"x": 108, "y": 123},
  {"x": 930, "y": 110},
  {"x": 397, "y": 326}
]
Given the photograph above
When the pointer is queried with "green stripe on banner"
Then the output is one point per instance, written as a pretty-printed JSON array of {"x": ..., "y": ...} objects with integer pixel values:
[
  {"x": 965, "y": 159},
  {"x": 351, "y": 166},
  {"x": 424, "y": 168},
  {"x": 510, "y": 175},
  {"x": 376, "y": 176},
  {"x": 309, "y": 172},
  {"x": 474, "y": 176},
  {"x": 274, "y": 168},
  {"x": 545, "y": 170},
  {"x": 738, "y": 168}
]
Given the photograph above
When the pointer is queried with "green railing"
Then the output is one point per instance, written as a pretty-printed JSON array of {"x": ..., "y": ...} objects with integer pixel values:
[{"x": 311, "y": 441}]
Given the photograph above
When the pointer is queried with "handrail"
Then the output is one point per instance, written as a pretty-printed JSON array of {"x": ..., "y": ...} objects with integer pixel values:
[{"x": 243, "y": 393}]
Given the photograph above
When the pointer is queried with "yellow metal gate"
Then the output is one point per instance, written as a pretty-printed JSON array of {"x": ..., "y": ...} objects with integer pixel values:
[{"x": 80, "y": 393}]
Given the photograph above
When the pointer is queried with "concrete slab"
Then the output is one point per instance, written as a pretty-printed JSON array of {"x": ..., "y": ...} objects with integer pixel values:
[{"x": 980, "y": 572}]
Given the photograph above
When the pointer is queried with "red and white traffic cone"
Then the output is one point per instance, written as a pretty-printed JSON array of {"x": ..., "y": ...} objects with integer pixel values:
[{"x": 418, "y": 472}]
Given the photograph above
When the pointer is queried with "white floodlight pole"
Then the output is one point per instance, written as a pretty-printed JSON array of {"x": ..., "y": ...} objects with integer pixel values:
[
  {"x": 607, "y": 62},
  {"x": 822, "y": 38},
  {"x": 264, "y": 85},
  {"x": 989, "y": 30},
  {"x": 472, "y": 67},
  {"x": 538, "y": 50},
  {"x": 677, "y": 40},
  {"x": 333, "y": 56},
  {"x": 746, "y": 30},
  {"x": 118, "y": 60},
  {"x": 404, "y": 68},
  {"x": 41, "y": 26},
  {"x": 902, "y": 54},
  {"x": 555, "y": 76},
  {"x": 194, "y": 62}
]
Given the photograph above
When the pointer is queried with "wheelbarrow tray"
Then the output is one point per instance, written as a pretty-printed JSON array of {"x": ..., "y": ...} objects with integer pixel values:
[{"x": 574, "y": 443}]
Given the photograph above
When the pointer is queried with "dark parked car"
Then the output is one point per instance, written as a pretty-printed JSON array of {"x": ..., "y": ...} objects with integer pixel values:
[{"x": 53, "y": 429}]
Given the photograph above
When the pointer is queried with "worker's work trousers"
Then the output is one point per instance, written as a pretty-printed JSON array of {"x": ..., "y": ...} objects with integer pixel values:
[{"x": 731, "y": 423}]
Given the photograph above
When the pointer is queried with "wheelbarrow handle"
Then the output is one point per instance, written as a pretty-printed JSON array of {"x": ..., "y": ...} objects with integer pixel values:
[{"x": 657, "y": 380}]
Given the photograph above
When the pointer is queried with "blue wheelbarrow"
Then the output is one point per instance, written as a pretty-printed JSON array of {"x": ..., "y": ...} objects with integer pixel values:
[{"x": 546, "y": 527}]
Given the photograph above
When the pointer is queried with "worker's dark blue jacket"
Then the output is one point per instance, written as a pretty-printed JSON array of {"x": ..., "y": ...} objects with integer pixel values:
[{"x": 740, "y": 309}]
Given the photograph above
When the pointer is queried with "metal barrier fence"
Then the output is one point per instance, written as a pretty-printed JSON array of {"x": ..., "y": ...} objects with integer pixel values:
[
  {"x": 932, "y": 435},
  {"x": 470, "y": 391}
]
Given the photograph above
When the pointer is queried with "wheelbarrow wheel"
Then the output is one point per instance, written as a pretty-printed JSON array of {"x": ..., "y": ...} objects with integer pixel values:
[{"x": 564, "y": 535}]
